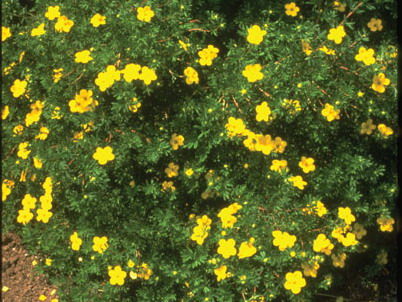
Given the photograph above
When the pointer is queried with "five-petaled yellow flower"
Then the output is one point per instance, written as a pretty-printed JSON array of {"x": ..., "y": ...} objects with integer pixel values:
[
  {"x": 103, "y": 155},
  {"x": 98, "y": 20},
  {"x": 291, "y": 9},
  {"x": 83, "y": 56},
  {"x": 253, "y": 72},
  {"x": 337, "y": 34},
  {"x": 145, "y": 13},
  {"x": 255, "y": 34},
  {"x": 5, "y": 33},
  {"x": 379, "y": 83},
  {"x": 375, "y": 24}
]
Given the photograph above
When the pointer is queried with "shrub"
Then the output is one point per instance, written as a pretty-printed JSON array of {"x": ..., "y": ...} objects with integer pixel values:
[{"x": 189, "y": 151}]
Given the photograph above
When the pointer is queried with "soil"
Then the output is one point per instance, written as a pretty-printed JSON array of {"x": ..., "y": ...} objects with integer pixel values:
[{"x": 18, "y": 275}]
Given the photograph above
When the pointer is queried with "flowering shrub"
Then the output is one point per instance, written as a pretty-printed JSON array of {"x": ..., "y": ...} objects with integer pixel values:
[{"x": 189, "y": 151}]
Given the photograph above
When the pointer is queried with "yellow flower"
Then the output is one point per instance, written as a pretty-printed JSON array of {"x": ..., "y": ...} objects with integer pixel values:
[
  {"x": 379, "y": 81},
  {"x": 63, "y": 24},
  {"x": 43, "y": 215},
  {"x": 83, "y": 102},
  {"x": 226, "y": 215},
  {"x": 103, "y": 155},
  {"x": 135, "y": 105},
  {"x": 337, "y": 34},
  {"x": 145, "y": 272},
  {"x": 221, "y": 273},
  {"x": 17, "y": 130},
  {"x": 349, "y": 239},
  {"x": 253, "y": 72},
  {"x": 106, "y": 79},
  {"x": 24, "y": 216},
  {"x": 283, "y": 240},
  {"x": 235, "y": 127},
  {"x": 28, "y": 202},
  {"x": 76, "y": 242},
  {"x": 130, "y": 263},
  {"x": 176, "y": 141},
  {"x": 117, "y": 275},
  {"x": 38, "y": 31},
  {"x": 327, "y": 50},
  {"x": 98, "y": 20},
  {"x": 346, "y": 215},
  {"x": 330, "y": 112},
  {"x": 307, "y": 164},
  {"x": 189, "y": 172},
  {"x": 367, "y": 127},
  {"x": 172, "y": 170},
  {"x": 338, "y": 260},
  {"x": 295, "y": 282},
  {"x": 322, "y": 245},
  {"x": 339, "y": 6},
  {"x": 6, "y": 187},
  {"x": 384, "y": 130},
  {"x": 191, "y": 76},
  {"x": 52, "y": 12},
  {"x": 57, "y": 75},
  {"x": 207, "y": 55},
  {"x": 263, "y": 112},
  {"x": 310, "y": 270},
  {"x": 279, "y": 165},
  {"x": 366, "y": 56},
  {"x": 43, "y": 133},
  {"x": 255, "y": 35},
  {"x": 247, "y": 249},
  {"x": 48, "y": 261},
  {"x": 5, "y": 33},
  {"x": 83, "y": 56},
  {"x": 131, "y": 72},
  {"x": 375, "y": 24},
  {"x": 42, "y": 298},
  {"x": 291, "y": 9},
  {"x": 298, "y": 182},
  {"x": 168, "y": 185},
  {"x": 227, "y": 248},
  {"x": 184, "y": 45},
  {"x": 382, "y": 258},
  {"x": 23, "y": 150},
  {"x": 5, "y": 112},
  {"x": 386, "y": 223},
  {"x": 200, "y": 232},
  {"x": 148, "y": 75},
  {"x": 359, "y": 231},
  {"x": 100, "y": 244},
  {"x": 37, "y": 163},
  {"x": 145, "y": 13},
  {"x": 18, "y": 88},
  {"x": 306, "y": 47}
]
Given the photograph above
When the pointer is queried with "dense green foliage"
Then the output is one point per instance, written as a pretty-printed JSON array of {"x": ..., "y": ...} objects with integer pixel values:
[{"x": 334, "y": 98}]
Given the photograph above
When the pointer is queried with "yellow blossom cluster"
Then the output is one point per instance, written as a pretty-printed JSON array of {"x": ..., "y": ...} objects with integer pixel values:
[
  {"x": 137, "y": 72},
  {"x": 292, "y": 105},
  {"x": 310, "y": 269},
  {"x": 367, "y": 127},
  {"x": 283, "y": 240},
  {"x": 135, "y": 105},
  {"x": 227, "y": 217},
  {"x": 145, "y": 13},
  {"x": 298, "y": 182},
  {"x": 58, "y": 74},
  {"x": 330, "y": 112},
  {"x": 43, "y": 133},
  {"x": 176, "y": 141},
  {"x": 338, "y": 260},
  {"x": 384, "y": 130},
  {"x": 6, "y": 187},
  {"x": 63, "y": 23},
  {"x": 46, "y": 200},
  {"x": 327, "y": 50},
  {"x": 172, "y": 170},
  {"x": 106, "y": 79},
  {"x": 35, "y": 114},
  {"x": 207, "y": 55},
  {"x": 316, "y": 207},
  {"x": 75, "y": 241},
  {"x": 83, "y": 102},
  {"x": 23, "y": 151},
  {"x": 322, "y": 244},
  {"x": 386, "y": 223},
  {"x": 168, "y": 185},
  {"x": 191, "y": 76},
  {"x": 279, "y": 165},
  {"x": 221, "y": 273},
  {"x": 200, "y": 231}
]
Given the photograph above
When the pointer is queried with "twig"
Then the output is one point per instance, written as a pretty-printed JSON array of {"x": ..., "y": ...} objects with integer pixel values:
[{"x": 352, "y": 12}]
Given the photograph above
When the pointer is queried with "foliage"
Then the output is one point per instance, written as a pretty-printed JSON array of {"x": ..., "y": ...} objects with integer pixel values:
[{"x": 220, "y": 182}]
